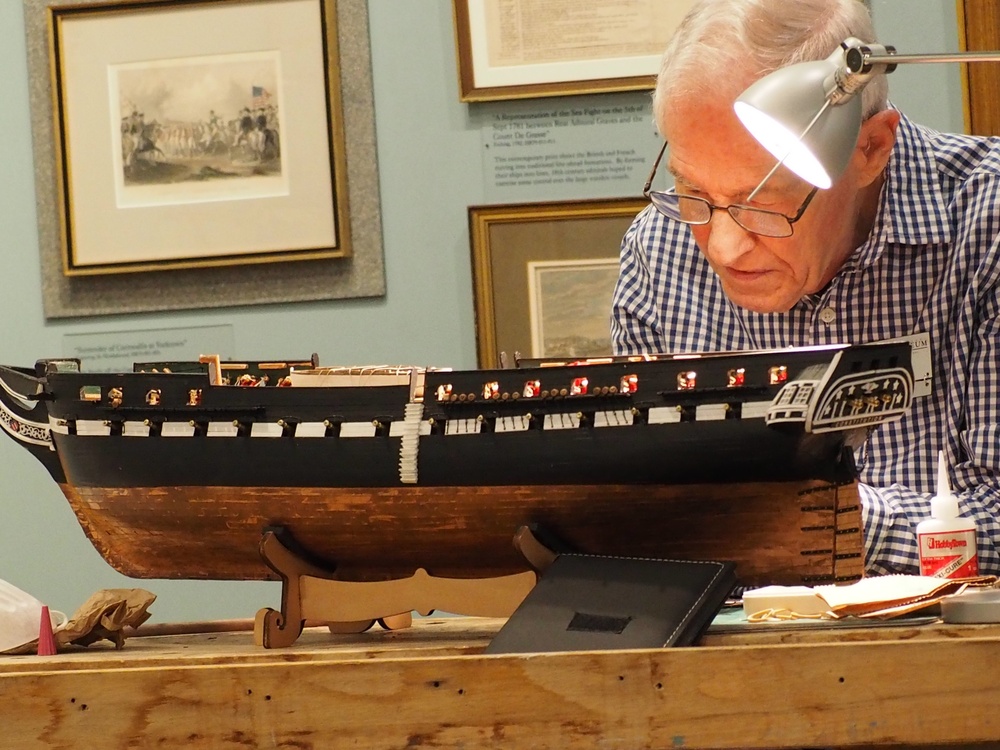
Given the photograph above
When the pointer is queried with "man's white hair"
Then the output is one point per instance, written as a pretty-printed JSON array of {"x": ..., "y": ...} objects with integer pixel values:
[{"x": 722, "y": 46}]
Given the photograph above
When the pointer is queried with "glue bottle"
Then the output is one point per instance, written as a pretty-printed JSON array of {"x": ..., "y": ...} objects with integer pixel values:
[{"x": 946, "y": 542}]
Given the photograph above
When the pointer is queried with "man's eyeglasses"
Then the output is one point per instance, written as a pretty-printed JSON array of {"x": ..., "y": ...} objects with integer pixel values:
[{"x": 691, "y": 210}]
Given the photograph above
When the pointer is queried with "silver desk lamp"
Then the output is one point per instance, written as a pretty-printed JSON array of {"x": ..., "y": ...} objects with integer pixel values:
[{"x": 807, "y": 114}]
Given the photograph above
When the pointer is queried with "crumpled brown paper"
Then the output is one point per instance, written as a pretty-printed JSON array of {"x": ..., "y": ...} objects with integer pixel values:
[{"x": 104, "y": 616}]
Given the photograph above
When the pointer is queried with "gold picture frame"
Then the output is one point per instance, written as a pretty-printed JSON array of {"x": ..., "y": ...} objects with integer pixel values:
[
  {"x": 521, "y": 50},
  {"x": 216, "y": 208},
  {"x": 218, "y": 117},
  {"x": 978, "y": 30},
  {"x": 513, "y": 246}
]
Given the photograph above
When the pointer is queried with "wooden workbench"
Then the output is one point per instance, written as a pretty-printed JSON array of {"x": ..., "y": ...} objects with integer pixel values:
[{"x": 429, "y": 686}]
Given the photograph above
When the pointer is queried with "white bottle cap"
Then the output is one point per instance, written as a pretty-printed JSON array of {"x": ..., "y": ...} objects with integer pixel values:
[{"x": 944, "y": 505}]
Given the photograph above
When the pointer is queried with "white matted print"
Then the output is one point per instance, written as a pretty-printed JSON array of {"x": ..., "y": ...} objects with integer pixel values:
[
  {"x": 198, "y": 129},
  {"x": 570, "y": 306}
]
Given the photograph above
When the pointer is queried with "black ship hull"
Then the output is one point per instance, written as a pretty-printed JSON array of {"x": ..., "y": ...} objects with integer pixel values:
[{"x": 710, "y": 453}]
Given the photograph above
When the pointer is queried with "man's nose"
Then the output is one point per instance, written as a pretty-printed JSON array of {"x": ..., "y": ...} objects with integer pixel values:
[{"x": 727, "y": 240}]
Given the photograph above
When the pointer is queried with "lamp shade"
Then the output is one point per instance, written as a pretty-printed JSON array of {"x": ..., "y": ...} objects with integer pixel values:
[{"x": 779, "y": 111}]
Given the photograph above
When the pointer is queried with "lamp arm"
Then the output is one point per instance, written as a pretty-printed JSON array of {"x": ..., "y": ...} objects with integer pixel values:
[{"x": 943, "y": 57}]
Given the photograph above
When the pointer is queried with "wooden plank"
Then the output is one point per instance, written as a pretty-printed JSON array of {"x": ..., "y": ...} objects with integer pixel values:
[
  {"x": 432, "y": 636},
  {"x": 926, "y": 690},
  {"x": 439, "y": 636}
]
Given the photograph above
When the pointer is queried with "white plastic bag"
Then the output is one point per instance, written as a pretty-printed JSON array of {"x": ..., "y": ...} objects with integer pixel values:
[{"x": 20, "y": 617}]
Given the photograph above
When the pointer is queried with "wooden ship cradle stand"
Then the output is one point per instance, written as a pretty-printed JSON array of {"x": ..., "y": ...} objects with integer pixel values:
[
  {"x": 789, "y": 532},
  {"x": 453, "y": 490}
]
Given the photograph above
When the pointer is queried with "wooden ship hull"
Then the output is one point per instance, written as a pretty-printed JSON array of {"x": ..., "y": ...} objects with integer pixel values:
[{"x": 175, "y": 470}]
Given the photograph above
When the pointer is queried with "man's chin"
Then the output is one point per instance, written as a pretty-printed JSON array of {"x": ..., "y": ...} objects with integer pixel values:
[{"x": 766, "y": 302}]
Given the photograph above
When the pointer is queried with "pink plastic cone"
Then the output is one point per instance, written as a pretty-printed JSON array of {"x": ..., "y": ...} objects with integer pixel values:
[{"x": 46, "y": 641}]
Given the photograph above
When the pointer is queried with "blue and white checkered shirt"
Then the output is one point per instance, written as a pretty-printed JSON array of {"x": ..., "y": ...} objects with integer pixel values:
[{"x": 930, "y": 265}]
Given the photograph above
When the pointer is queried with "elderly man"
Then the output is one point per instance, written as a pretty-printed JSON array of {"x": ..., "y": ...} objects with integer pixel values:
[{"x": 906, "y": 240}]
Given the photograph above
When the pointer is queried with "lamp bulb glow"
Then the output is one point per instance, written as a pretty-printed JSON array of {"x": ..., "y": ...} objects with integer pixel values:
[{"x": 783, "y": 144}]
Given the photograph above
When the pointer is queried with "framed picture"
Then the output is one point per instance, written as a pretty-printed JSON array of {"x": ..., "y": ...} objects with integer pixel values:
[
  {"x": 514, "y": 49},
  {"x": 979, "y": 30},
  {"x": 543, "y": 276},
  {"x": 200, "y": 147}
]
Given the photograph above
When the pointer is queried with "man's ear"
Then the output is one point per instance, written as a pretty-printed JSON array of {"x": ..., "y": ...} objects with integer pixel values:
[{"x": 875, "y": 143}]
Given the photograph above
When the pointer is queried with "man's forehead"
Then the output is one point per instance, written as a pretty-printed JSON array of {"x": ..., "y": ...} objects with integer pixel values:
[
  {"x": 709, "y": 127},
  {"x": 726, "y": 173}
]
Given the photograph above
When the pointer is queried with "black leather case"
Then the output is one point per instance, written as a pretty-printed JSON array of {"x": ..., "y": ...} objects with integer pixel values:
[{"x": 587, "y": 602}]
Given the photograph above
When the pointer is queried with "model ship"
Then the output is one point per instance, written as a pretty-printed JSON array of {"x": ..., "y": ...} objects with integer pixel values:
[{"x": 174, "y": 470}]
